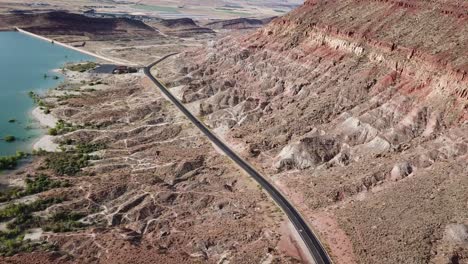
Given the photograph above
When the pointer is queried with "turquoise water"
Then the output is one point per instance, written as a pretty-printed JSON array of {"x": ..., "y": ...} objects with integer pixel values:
[{"x": 23, "y": 62}]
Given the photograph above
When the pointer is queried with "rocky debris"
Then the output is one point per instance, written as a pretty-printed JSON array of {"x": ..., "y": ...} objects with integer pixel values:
[
  {"x": 308, "y": 152},
  {"x": 456, "y": 233},
  {"x": 400, "y": 171}
]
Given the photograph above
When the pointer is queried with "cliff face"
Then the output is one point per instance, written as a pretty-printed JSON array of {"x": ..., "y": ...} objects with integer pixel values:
[{"x": 344, "y": 101}]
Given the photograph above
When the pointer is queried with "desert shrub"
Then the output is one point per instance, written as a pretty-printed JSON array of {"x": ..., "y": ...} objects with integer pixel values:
[
  {"x": 62, "y": 127},
  {"x": 20, "y": 209},
  {"x": 15, "y": 245},
  {"x": 24, "y": 221},
  {"x": 38, "y": 184},
  {"x": 67, "y": 163},
  {"x": 64, "y": 222},
  {"x": 86, "y": 148},
  {"x": 42, "y": 183},
  {"x": 10, "y": 194},
  {"x": 11, "y": 240}
]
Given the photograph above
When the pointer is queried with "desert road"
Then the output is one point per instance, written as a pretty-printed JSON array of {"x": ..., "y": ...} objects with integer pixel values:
[{"x": 316, "y": 249}]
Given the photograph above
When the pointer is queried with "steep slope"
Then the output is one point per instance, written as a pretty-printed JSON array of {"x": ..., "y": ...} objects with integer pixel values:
[{"x": 358, "y": 109}]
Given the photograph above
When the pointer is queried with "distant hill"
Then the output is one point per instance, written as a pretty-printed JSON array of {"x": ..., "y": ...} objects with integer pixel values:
[
  {"x": 239, "y": 23},
  {"x": 64, "y": 23},
  {"x": 181, "y": 27}
]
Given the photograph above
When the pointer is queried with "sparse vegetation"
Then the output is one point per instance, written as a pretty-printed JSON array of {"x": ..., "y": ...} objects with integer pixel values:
[
  {"x": 42, "y": 183},
  {"x": 22, "y": 210},
  {"x": 64, "y": 222},
  {"x": 62, "y": 127},
  {"x": 37, "y": 99},
  {"x": 34, "y": 185},
  {"x": 67, "y": 163},
  {"x": 12, "y": 240},
  {"x": 82, "y": 67},
  {"x": 89, "y": 147},
  {"x": 10, "y": 162},
  {"x": 71, "y": 162},
  {"x": 66, "y": 97}
]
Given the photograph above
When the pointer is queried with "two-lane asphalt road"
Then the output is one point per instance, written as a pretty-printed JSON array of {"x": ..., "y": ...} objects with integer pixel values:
[{"x": 313, "y": 244}]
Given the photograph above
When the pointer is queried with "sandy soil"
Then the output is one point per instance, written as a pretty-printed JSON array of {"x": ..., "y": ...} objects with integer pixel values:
[
  {"x": 46, "y": 120},
  {"x": 46, "y": 143}
]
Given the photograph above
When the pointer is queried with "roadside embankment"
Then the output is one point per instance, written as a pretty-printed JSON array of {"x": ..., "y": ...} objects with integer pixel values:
[{"x": 77, "y": 49}]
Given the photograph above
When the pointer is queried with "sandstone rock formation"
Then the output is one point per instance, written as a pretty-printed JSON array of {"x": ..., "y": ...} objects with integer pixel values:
[{"x": 363, "y": 108}]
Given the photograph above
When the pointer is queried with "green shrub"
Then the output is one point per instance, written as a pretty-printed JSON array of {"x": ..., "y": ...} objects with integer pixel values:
[
  {"x": 10, "y": 162},
  {"x": 53, "y": 131},
  {"x": 9, "y": 138}
]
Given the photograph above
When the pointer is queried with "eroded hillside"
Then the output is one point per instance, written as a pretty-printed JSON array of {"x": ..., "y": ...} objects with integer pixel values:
[
  {"x": 135, "y": 182},
  {"x": 358, "y": 110}
]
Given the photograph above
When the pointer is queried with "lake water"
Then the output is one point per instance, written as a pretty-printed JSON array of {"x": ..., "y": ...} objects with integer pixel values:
[{"x": 23, "y": 62}]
